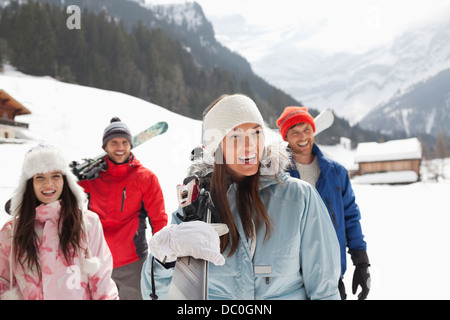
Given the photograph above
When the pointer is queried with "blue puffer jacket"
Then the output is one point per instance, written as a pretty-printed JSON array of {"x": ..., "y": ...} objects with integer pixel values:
[
  {"x": 336, "y": 191},
  {"x": 300, "y": 260}
]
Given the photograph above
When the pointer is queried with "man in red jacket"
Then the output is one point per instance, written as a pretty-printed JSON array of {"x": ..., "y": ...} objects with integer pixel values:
[{"x": 123, "y": 196}]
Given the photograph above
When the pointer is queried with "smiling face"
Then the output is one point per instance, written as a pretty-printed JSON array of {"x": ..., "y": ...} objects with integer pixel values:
[
  {"x": 243, "y": 147},
  {"x": 118, "y": 150},
  {"x": 48, "y": 186},
  {"x": 301, "y": 140}
]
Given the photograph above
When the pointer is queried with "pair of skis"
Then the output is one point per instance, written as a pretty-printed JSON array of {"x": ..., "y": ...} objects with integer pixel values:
[{"x": 190, "y": 277}]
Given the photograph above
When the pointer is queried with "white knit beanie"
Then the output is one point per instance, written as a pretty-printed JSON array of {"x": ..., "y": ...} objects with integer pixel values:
[
  {"x": 227, "y": 114},
  {"x": 45, "y": 158}
]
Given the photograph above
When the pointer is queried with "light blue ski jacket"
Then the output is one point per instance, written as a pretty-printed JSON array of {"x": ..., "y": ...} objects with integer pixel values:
[{"x": 300, "y": 260}]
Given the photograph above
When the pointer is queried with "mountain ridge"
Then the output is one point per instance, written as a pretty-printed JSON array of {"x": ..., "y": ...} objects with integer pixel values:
[
  {"x": 352, "y": 84},
  {"x": 237, "y": 74}
]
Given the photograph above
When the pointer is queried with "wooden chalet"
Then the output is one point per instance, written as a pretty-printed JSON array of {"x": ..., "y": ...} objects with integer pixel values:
[
  {"x": 9, "y": 109},
  {"x": 396, "y": 156}
]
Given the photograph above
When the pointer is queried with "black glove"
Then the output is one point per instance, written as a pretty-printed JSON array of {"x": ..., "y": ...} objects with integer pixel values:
[
  {"x": 341, "y": 288},
  {"x": 361, "y": 276}
]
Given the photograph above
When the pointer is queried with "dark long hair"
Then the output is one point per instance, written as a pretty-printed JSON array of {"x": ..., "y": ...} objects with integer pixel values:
[
  {"x": 69, "y": 226},
  {"x": 249, "y": 204}
]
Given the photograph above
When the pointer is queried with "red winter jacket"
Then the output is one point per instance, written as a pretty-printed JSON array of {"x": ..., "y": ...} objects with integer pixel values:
[{"x": 123, "y": 196}]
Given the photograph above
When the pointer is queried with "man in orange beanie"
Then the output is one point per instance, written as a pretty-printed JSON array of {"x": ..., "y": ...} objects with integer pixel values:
[{"x": 331, "y": 180}]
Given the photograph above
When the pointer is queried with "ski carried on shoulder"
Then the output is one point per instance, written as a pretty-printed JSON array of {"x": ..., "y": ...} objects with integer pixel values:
[
  {"x": 323, "y": 121},
  {"x": 149, "y": 133},
  {"x": 90, "y": 168}
]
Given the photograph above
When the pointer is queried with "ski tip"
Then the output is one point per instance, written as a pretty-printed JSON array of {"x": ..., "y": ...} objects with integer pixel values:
[
  {"x": 155, "y": 130},
  {"x": 328, "y": 114},
  {"x": 323, "y": 121},
  {"x": 165, "y": 126},
  {"x": 161, "y": 126}
]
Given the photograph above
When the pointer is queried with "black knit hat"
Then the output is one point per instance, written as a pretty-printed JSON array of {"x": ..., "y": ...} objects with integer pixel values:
[{"x": 116, "y": 129}]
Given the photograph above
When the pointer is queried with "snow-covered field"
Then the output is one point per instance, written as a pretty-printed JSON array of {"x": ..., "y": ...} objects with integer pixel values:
[{"x": 406, "y": 226}]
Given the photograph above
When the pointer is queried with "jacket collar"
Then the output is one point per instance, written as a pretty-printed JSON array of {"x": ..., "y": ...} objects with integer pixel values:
[
  {"x": 315, "y": 151},
  {"x": 120, "y": 169},
  {"x": 48, "y": 212}
]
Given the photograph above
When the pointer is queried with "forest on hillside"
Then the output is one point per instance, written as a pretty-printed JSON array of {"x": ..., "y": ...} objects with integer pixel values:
[{"x": 143, "y": 62}]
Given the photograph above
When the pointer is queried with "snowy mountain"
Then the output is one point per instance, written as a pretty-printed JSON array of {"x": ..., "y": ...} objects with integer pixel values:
[
  {"x": 186, "y": 15},
  {"x": 186, "y": 24},
  {"x": 355, "y": 84},
  {"x": 184, "y": 21},
  {"x": 423, "y": 109},
  {"x": 389, "y": 89}
]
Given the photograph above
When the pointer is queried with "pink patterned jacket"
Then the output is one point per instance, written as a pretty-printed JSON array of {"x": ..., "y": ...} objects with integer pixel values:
[{"x": 59, "y": 280}]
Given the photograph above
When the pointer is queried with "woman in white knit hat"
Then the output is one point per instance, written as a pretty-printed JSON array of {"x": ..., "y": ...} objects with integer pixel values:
[
  {"x": 281, "y": 243},
  {"x": 52, "y": 248}
]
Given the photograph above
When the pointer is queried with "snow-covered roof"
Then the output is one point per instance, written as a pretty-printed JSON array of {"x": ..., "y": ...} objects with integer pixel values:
[
  {"x": 404, "y": 149},
  {"x": 407, "y": 176}
]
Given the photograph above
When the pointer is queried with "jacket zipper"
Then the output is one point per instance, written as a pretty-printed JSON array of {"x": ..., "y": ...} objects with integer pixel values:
[
  {"x": 332, "y": 213},
  {"x": 124, "y": 196}
]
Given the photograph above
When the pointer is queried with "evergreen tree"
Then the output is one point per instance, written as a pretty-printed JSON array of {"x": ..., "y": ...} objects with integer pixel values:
[
  {"x": 441, "y": 150},
  {"x": 32, "y": 39}
]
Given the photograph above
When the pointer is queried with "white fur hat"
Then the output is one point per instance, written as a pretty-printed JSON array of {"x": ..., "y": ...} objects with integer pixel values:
[
  {"x": 227, "y": 114},
  {"x": 45, "y": 158}
]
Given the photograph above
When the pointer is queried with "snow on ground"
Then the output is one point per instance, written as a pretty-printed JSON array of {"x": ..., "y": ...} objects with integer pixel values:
[
  {"x": 73, "y": 118},
  {"x": 407, "y": 235},
  {"x": 406, "y": 226}
]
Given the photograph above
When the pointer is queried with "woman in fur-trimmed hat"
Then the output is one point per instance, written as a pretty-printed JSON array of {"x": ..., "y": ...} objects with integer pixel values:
[
  {"x": 52, "y": 248},
  {"x": 280, "y": 242}
]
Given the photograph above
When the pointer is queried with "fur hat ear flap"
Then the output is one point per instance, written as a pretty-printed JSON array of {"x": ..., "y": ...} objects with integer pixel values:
[
  {"x": 76, "y": 189},
  {"x": 17, "y": 197}
]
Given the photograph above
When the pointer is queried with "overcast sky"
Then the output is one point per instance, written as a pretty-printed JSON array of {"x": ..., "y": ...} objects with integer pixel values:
[{"x": 330, "y": 25}]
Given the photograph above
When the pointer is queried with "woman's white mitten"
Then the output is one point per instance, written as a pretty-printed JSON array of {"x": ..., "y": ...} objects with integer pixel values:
[{"x": 195, "y": 239}]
